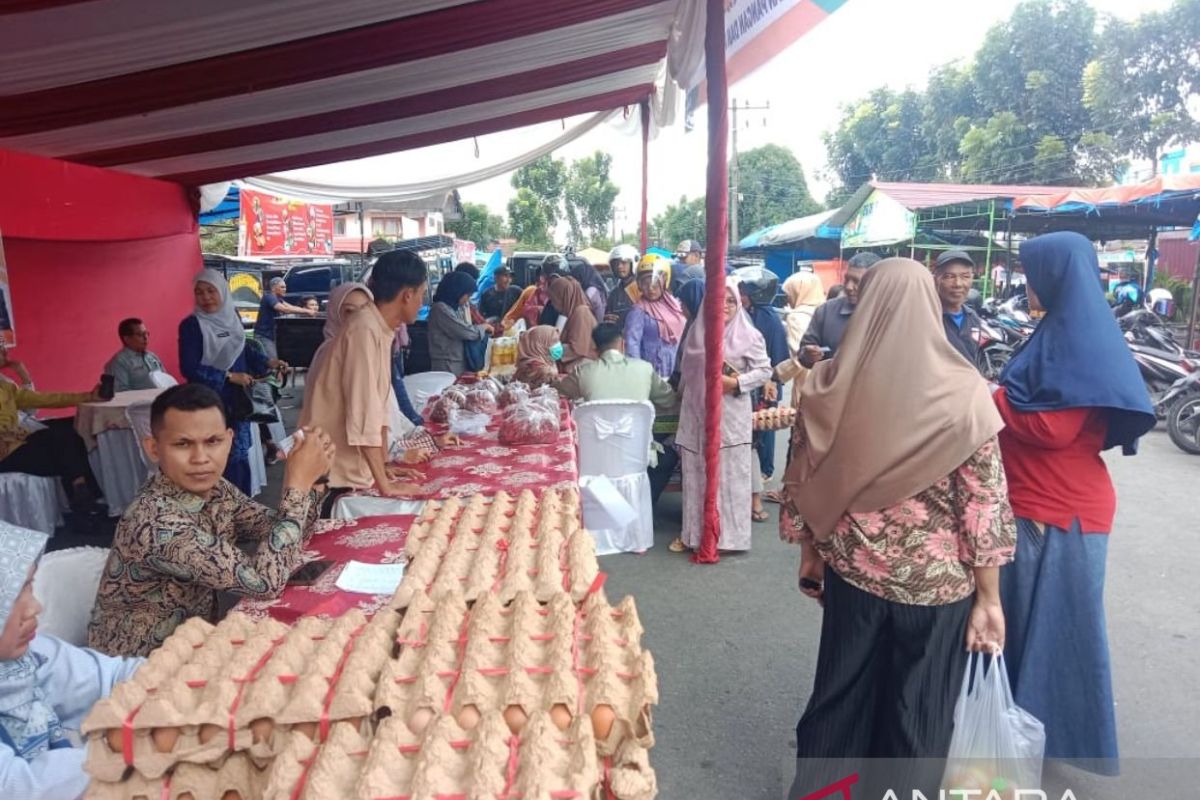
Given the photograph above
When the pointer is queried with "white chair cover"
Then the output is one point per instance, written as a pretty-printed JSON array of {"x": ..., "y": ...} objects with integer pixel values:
[
  {"x": 614, "y": 452},
  {"x": 29, "y": 501},
  {"x": 424, "y": 385},
  {"x": 138, "y": 415},
  {"x": 163, "y": 380},
  {"x": 258, "y": 462},
  {"x": 65, "y": 584}
]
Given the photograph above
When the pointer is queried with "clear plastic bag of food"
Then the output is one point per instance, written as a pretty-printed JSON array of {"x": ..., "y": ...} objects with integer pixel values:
[
  {"x": 482, "y": 401},
  {"x": 997, "y": 745},
  {"x": 468, "y": 423},
  {"x": 529, "y": 423},
  {"x": 514, "y": 394}
]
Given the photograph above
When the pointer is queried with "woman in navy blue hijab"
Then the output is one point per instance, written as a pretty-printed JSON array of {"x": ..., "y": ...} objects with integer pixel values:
[{"x": 1073, "y": 391}]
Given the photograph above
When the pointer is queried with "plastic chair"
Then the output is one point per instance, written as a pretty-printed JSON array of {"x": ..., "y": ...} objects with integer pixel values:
[
  {"x": 138, "y": 415},
  {"x": 65, "y": 584},
  {"x": 424, "y": 385},
  {"x": 614, "y": 452},
  {"x": 163, "y": 380}
]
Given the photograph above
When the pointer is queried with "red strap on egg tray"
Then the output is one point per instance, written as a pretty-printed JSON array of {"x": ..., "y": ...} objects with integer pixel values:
[
  {"x": 241, "y": 688},
  {"x": 127, "y": 735},
  {"x": 323, "y": 728},
  {"x": 461, "y": 645},
  {"x": 165, "y": 794}
]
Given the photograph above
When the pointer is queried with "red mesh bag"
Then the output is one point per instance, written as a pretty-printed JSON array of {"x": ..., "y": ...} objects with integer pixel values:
[{"x": 529, "y": 424}]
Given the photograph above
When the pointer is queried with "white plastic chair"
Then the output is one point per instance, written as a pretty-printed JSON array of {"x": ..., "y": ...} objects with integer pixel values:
[
  {"x": 65, "y": 584},
  {"x": 163, "y": 380},
  {"x": 138, "y": 415},
  {"x": 424, "y": 385},
  {"x": 614, "y": 452}
]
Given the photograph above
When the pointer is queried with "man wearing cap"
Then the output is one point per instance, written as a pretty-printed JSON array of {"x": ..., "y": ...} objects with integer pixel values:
[
  {"x": 829, "y": 322},
  {"x": 691, "y": 253},
  {"x": 953, "y": 273},
  {"x": 496, "y": 301},
  {"x": 273, "y": 305}
]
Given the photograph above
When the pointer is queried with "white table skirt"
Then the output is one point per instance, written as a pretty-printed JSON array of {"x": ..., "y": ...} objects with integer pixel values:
[
  {"x": 119, "y": 467},
  {"x": 350, "y": 506}
]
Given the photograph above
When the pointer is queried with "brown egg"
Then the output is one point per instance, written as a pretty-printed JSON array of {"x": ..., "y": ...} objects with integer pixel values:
[
  {"x": 164, "y": 739},
  {"x": 208, "y": 732},
  {"x": 232, "y": 795},
  {"x": 113, "y": 737},
  {"x": 420, "y": 720},
  {"x": 469, "y": 717},
  {"x": 261, "y": 729},
  {"x": 560, "y": 715},
  {"x": 308, "y": 729},
  {"x": 516, "y": 718},
  {"x": 603, "y": 718}
]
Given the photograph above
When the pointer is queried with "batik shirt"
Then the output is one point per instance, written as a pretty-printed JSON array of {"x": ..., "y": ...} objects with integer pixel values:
[
  {"x": 922, "y": 550},
  {"x": 173, "y": 551}
]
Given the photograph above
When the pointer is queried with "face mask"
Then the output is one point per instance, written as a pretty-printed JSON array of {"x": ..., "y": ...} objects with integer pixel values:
[{"x": 556, "y": 351}]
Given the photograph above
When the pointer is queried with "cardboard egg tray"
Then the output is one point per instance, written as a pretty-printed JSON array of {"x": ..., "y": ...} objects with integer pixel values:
[
  {"x": 565, "y": 660},
  {"x": 210, "y": 691},
  {"x": 774, "y": 419},
  {"x": 503, "y": 545}
]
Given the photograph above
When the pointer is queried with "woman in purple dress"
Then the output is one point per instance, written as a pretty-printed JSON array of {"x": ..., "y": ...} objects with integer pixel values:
[{"x": 655, "y": 325}]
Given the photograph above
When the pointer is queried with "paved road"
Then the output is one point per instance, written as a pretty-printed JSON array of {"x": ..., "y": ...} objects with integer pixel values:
[{"x": 735, "y": 646}]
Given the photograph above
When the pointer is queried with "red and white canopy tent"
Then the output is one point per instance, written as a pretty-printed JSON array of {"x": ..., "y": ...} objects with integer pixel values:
[{"x": 113, "y": 111}]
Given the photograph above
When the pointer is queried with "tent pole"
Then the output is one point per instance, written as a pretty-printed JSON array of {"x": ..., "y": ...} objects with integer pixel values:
[
  {"x": 645, "y": 108},
  {"x": 713, "y": 312},
  {"x": 1192, "y": 313},
  {"x": 987, "y": 267},
  {"x": 1151, "y": 258}
]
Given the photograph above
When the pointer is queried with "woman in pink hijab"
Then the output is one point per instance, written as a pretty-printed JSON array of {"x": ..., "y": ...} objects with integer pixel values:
[
  {"x": 655, "y": 324},
  {"x": 747, "y": 367}
]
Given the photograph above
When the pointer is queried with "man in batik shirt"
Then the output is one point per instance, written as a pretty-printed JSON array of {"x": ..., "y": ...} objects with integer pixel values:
[{"x": 177, "y": 544}]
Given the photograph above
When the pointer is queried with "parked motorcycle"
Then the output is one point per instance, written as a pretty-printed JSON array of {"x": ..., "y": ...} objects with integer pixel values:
[
  {"x": 994, "y": 350},
  {"x": 1180, "y": 404}
]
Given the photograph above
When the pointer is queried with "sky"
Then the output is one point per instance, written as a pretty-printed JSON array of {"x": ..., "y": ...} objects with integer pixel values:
[{"x": 866, "y": 43}]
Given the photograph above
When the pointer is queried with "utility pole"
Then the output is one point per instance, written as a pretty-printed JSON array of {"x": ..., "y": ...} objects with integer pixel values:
[{"x": 734, "y": 238}]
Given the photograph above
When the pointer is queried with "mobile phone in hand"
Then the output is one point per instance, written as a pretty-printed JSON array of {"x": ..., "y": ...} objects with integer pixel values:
[
  {"x": 308, "y": 574},
  {"x": 107, "y": 387}
]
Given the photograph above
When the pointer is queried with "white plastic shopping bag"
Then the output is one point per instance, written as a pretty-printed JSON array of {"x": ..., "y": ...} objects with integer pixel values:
[{"x": 997, "y": 745}]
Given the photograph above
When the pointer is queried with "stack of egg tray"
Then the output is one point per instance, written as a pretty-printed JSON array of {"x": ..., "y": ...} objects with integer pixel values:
[
  {"x": 435, "y": 700},
  {"x": 502, "y": 545}
]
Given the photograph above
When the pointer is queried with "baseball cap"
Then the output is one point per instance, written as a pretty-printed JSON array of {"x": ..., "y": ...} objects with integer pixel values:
[
  {"x": 502, "y": 271},
  {"x": 689, "y": 246},
  {"x": 954, "y": 257}
]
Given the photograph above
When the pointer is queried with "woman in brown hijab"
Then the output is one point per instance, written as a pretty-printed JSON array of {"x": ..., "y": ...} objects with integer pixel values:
[
  {"x": 897, "y": 495},
  {"x": 566, "y": 295},
  {"x": 537, "y": 352}
]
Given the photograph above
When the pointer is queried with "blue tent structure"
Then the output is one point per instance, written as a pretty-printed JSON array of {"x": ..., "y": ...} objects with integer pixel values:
[
  {"x": 226, "y": 209},
  {"x": 816, "y": 237}
]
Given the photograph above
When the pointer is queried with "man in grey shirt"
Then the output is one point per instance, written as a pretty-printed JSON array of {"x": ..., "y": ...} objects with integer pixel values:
[
  {"x": 131, "y": 368},
  {"x": 829, "y": 323}
]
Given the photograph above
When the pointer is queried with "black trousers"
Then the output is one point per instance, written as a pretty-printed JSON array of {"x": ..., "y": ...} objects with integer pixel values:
[
  {"x": 55, "y": 452},
  {"x": 882, "y": 706},
  {"x": 660, "y": 475}
]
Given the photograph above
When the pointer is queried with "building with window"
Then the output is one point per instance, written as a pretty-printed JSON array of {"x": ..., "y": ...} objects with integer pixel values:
[
  {"x": 1176, "y": 161},
  {"x": 354, "y": 228}
]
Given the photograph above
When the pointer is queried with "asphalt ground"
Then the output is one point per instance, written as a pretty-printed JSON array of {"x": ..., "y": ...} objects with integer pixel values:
[{"x": 735, "y": 646}]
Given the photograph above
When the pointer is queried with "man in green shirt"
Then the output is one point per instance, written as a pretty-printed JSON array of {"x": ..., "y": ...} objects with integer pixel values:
[
  {"x": 615, "y": 376},
  {"x": 131, "y": 368}
]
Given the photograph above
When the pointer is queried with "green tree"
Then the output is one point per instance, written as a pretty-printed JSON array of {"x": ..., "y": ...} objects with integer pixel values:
[
  {"x": 220, "y": 238},
  {"x": 546, "y": 179},
  {"x": 772, "y": 188},
  {"x": 994, "y": 151},
  {"x": 880, "y": 135},
  {"x": 527, "y": 221},
  {"x": 1139, "y": 87},
  {"x": 478, "y": 225},
  {"x": 589, "y": 195},
  {"x": 682, "y": 220}
]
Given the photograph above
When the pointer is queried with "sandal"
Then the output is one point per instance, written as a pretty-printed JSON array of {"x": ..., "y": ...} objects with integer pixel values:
[
  {"x": 773, "y": 496},
  {"x": 677, "y": 546},
  {"x": 760, "y": 515}
]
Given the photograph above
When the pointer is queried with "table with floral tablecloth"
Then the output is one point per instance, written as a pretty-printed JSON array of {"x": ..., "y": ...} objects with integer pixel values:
[
  {"x": 371, "y": 540},
  {"x": 482, "y": 465}
]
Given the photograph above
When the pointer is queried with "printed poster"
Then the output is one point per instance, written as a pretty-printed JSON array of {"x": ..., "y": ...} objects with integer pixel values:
[{"x": 279, "y": 226}]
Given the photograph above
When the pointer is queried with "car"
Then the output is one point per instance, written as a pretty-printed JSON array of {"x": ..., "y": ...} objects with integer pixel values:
[
  {"x": 247, "y": 277},
  {"x": 316, "y": 279}
]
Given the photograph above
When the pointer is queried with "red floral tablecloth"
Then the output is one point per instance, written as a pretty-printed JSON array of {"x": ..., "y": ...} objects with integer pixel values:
[
  {"x": 481, "y": 465},
  {"x": 371, "y": 540}
]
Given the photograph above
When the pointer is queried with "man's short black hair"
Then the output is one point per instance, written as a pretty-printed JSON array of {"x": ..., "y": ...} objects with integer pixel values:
[
  {"x": 502, "y": 270},
  {"x": 863, "y": 260},
  {"x": 395, "y": 271},
  {"x": 606, "y": 335},
  {"x": 467, "y": 267},
  {"x": 128, "y": 326},
  {"x": 304, "y": 300},
  {"x": 184, "y": 397}
]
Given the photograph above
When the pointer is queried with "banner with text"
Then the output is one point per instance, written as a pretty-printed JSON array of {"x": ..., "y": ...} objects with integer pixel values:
[{"x": 279, "y": 226}]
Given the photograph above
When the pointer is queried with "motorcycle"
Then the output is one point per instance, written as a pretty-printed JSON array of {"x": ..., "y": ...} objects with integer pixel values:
[
  {"x": 994, "y": 350},
  {"x": 1180, "y": 404}
]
